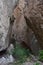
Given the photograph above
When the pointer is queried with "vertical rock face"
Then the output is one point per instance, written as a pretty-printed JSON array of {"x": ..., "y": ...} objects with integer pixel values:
[
  {"x": 6, "y": 8},
  {"x": 34, "y": 14},
  {"x": 20, "y": 30}
]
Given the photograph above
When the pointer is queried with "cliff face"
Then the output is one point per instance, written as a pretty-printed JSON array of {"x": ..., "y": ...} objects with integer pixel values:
[
  {"x": 6, "y": 8},
  {"x": 20, "y": 30},
  {"x": 34, "y": 14},
  {"x": 28, "y": 23}
]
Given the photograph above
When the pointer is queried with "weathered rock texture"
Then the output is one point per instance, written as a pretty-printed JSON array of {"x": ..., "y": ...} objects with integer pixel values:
[
  {"x": 20, "y": 30},
  {"x": 6, "y": 8},
  {"x": 34, "y": 18}
]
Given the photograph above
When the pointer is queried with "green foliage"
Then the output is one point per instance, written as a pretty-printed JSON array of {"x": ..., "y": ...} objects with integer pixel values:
[
  {"x": 41, "y": 55},
  {"x": 37, "y": 63},
  {"x": 19, "y": 62},
  {"x": 20, "y": 53}
]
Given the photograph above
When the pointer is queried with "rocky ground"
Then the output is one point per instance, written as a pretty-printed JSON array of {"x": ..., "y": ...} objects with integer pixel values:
[
  {"x": 6, "y": 56},
  {"x": 32, "y": 61},
  {"x": 6, "y": 60}
]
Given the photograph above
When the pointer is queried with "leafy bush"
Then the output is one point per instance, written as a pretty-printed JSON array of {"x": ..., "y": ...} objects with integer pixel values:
[{"x": 41, "y": 55}]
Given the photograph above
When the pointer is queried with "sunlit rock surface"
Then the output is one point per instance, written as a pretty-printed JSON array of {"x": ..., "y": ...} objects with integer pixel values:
[
  {"x": 6, "y": 8},
  {"x": 6, "y": 60}
]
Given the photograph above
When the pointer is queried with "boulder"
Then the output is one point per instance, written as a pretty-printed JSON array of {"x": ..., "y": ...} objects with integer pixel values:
[
  {"x": 6, "y": 8},
  {"x": 34, "y": 18}
]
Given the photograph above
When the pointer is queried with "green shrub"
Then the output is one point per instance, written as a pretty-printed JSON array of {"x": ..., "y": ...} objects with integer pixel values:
[
  {"x": 37, "y": 63},
  {"x": 20, "y": 53},
  {"x": 41, "y": 55}
]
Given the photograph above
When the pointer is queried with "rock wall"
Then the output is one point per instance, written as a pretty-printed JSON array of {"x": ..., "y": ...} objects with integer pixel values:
[
  {"x": 34, "y": 14},
  {"x": 19, "y": 28},
  {"x": 21, "y": 31},
  {"x": 6, "y": 8}
]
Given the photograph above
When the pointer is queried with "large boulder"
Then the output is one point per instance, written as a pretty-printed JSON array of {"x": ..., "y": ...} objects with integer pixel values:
[
  {"x": 6, "y": 8},
  {"x": 34, "y": 18}
]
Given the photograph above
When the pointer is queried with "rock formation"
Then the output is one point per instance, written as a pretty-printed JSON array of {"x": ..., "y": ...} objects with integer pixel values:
[
  {"x": 20, "y": 31},
  {"x": 27, "y": 24},
  {"x": 34, "y": 18},
  {"x": 6, "y": 8}
]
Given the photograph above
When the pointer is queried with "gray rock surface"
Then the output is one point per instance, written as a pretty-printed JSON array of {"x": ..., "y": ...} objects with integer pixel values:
[
  {"x": 6, "y": 60},
  {"x": 6, "y": 8}
]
